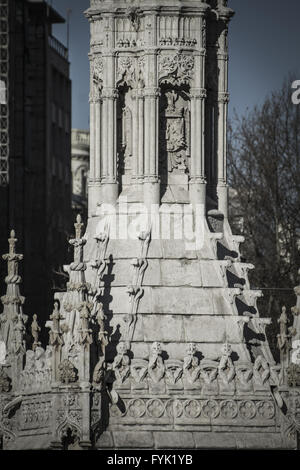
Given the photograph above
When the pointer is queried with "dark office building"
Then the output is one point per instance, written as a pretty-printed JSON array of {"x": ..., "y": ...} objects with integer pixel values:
[{"x": 35, "y": 146}]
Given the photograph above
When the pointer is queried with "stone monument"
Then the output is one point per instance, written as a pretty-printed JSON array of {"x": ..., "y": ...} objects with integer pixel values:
[{"x": 158, "y": 342}]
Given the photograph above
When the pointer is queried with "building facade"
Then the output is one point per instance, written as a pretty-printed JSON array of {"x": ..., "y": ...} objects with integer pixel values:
[
  {"x": 35, "y": 161},
  {"x": 157, "y": 341}
]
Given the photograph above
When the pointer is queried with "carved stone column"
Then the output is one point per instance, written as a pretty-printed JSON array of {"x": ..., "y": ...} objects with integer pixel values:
[
  {"x": 109, "y": 151},
  {"x": 198, "y": 180},
  {"x": 151, "y": 118},
  {"x": 140, "y": 99},
  {"x": 223, "y": 98},
  {"x": 95, "y": 133},
  {"x": 109, "y": 181}
]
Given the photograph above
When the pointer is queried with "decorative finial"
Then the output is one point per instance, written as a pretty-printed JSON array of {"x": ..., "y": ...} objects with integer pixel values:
[
  {"x": 78, "y": 227},
  {"x": 12, "y": 242}
]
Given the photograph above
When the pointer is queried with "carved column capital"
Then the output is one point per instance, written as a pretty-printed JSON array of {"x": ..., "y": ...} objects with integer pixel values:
[
  {"x": 222, "y": 56},
  {"x": 223, "y": 97},
  {"x": 198, "y": 93},
  {"x": 151, "y": 93},
  {"x": 110, "y": 94}
]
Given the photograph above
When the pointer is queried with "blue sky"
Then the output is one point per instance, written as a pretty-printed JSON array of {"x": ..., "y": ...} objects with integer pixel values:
[{"x": 264, "y": 41}]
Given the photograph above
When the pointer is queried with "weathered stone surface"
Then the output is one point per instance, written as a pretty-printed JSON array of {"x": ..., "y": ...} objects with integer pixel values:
[
  {"x": 174, "y": 440},
  {"x": 133, "y": 439},
  {"x": 105, "y": 441}
]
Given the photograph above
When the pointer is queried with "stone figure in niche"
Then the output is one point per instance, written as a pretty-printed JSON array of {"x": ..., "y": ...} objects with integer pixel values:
[
  {"x": 124, "y": 130},
  {"x": 174, "y": 130},
  {"x": 156, "y": 368}
]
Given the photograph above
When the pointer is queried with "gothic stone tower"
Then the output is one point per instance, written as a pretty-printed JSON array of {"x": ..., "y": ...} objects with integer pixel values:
[{"x": 186, "y": 345}]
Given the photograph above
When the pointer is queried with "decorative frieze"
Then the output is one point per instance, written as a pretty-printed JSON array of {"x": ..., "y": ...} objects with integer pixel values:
[{"x": 190, "y": 409}]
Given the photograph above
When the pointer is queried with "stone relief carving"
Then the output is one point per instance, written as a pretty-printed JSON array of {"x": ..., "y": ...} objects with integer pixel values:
[
  {"x": 156, "y": 367},
  {"x": 37, "y": 372},
  {"x": 226, "y": 370},
  {"x": 176, "y": 69},
  {"x": 5, "y": 381},
  {"x": 135, "y": 289},
  {"x": 168, "y": 41},
  {"x": 174, "y": 131},
  {"x": 97, "y": 77},
  {"x": 195, "y": 409},
  {"x": 261, "y": 371},
  {"x": 191, "y": 367},
  {"x": 121, "y": 364},
  {"x": 67, "y": 372},
  {"x": 173, "y": 372},
  {"x": 139, "y": 370}
]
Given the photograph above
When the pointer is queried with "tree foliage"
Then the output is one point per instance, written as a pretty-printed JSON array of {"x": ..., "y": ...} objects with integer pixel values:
[{"x": 264, "y": 170}]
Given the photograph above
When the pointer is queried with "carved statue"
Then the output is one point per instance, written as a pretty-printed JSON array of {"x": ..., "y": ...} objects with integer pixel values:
[
  {"x": 191, "y": 366},
  {"x": 284, "y": 338},
  {"x": 85, "y": 336},
  {"x": 19, "y": 333},
  {"x": 35, "y": 329},
  {"x": 55, "y": 336},
  {"x": 67, "y": 372},
  {"x": 102, "y": 335}
]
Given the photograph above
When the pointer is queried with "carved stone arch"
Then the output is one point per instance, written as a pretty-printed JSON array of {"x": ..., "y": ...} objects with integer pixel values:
[{"x": 80, "y": 180}]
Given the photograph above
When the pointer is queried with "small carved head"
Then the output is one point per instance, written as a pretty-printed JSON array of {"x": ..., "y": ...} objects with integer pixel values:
[
  {"x": 122, "y": 348},
  {"x": 191, "y": 348},
  {"x": 226, "y": 349},
  {"x": 156, "y": 348}
]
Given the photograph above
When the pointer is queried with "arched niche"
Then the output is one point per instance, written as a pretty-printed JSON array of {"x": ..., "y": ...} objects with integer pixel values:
[
  {"x": 174, "y": 136},
  {"x": 125, "y": 116}
]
